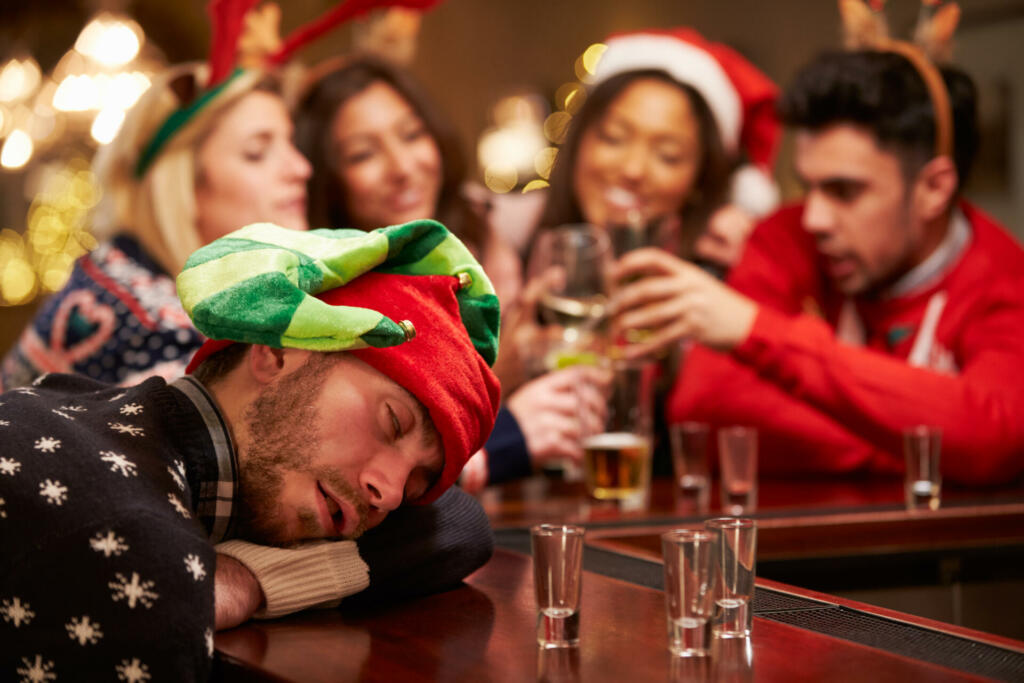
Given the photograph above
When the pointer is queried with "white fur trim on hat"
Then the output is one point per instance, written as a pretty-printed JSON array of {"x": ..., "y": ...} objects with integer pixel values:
[
  {"x": 687, "y": 64},
  {"x": 754, "y": 191}
]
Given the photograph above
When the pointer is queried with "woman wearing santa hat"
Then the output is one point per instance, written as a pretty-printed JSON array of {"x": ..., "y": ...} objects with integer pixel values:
[{"x": 673, "y": 146}]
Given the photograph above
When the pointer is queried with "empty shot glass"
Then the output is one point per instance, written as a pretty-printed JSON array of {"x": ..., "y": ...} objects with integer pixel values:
[
  {"x": 737, "y": 455},
  {"x": 922, "y": 447},
  {"x": 690, "y": 466},
  {"x": 689, "y": 590},
  {"x": 557, "y": 578},
  {"x": 735, "y": 570}
]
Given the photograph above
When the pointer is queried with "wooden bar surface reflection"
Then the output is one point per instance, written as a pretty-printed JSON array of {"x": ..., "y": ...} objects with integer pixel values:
[{"x": 484, "y": 631}]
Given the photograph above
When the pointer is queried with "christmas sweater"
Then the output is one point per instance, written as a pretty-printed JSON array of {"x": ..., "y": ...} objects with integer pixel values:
[
  {"x": 117, "y": 320},
  {"x": 107, "y": 573},
  {"x": 946, "y": 351},
  {"x": 110, "y": 502}
]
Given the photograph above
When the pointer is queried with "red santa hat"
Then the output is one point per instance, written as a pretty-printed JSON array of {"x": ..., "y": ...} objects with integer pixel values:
[{"x": 740, "y": 97}]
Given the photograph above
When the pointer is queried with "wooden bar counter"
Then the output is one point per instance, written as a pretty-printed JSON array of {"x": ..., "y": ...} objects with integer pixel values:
[{"x": 485, "y": 631}]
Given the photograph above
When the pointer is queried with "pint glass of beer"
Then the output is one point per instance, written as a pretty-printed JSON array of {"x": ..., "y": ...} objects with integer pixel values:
[{"x": 617, "y": 458}]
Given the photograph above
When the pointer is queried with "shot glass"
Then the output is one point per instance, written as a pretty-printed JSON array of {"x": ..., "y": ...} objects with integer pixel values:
[
  {"x": 690, "y": 465},
  {"x": 557, "y": 578},
  {"x": 689, "y": 590},
  {"x": 737, "y": 454},
  {"x": 922, "y": 446},
  {"x": 734, "y": 567}
]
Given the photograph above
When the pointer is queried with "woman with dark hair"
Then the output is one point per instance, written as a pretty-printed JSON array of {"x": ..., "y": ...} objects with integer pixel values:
[
  {"x": 673, "y": 147},
  {"x": 382, "y": 155}
]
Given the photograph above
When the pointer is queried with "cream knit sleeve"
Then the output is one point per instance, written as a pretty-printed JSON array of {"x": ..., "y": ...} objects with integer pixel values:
[{"x": 313, "y": 574}]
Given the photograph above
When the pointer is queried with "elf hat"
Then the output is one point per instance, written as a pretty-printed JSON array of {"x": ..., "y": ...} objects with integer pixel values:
[
  {"x": 740, "y": 97},
  {"x": 409, "y": 300}
]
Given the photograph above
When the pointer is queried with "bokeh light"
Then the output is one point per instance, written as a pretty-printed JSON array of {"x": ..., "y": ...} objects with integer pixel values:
[
  {"x": 17, "y": 150},
  {"x": 544, "y": 160},
  {"x": 110, "y": 40},
  {"x": 500, "y": 179},
  {"x": 556, "y": 125},
  {"x": 19, "y": 79}
]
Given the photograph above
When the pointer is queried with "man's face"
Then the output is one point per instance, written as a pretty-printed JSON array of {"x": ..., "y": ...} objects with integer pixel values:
[
  {"x": 856, "y": 207},
  {"x": 334, "y": 446}
]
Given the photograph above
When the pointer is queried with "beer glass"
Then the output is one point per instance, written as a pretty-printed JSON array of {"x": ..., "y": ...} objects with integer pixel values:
[{"x": 617, "y": 459}]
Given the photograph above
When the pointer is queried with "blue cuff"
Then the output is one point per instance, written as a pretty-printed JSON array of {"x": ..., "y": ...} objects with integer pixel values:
[{"x": 507, "y": 457}]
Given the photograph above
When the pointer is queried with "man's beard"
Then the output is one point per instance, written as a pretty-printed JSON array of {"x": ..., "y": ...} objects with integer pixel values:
[{"x": 283, "y": 428}]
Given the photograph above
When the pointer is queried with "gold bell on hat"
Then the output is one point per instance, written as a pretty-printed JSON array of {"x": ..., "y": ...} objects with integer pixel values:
[
  {"x": 408, "y": 328},
  {"x": 465, "y": 280}
]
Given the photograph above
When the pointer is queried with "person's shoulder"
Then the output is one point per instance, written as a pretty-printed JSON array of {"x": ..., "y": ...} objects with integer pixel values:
[{"x": 1000, "y": 246}]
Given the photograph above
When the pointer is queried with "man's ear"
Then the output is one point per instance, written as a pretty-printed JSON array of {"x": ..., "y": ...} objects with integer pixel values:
[
  {"x": 935, "y": 188},
  {"x": 267, "y": 363}
]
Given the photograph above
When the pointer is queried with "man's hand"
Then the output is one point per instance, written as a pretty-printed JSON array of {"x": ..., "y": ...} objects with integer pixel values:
[
  {"x": 236, "y": 592},
  {"x": 675, "y": 300},
  {"x": 555, "y": 410},
  {"x": 725, "y": 237}
]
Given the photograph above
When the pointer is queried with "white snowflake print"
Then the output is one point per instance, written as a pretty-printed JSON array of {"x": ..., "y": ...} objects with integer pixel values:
[
  {"x": 131, "y": 430},
  {"x": 118, "y": 397},
  {"x": 194, "y": 566},
  {"x": 3, "y": 513},
  {"x": 74, "y": 409},
  {"x": 176, "y": 477},
  {"x": 119, "y": 463},
  {"x": 84, "y": 630},
  {"x": 15, "y": 611},
  {"x": 62, "y": 414},
  {"x": 109, "y": 544},
  {"x": 9, "y": 466},
  {"x": 131, "y": 409},
  {"x": 47, "y": 444},
  {"x": 39, "y": 380},
  {"x": 182, "y": 510},
  {"x": 26, "y": 391},
  {"x": 180, "y": 466},
  {"x": 133, "y": 590},
  {"x": 5, "y": 423},
  {"x": 38, "y": 671},
  {"x": 209, "y": 642},
  {"x": 53, "y": 492},
  {"x": 133, "y": 671}
]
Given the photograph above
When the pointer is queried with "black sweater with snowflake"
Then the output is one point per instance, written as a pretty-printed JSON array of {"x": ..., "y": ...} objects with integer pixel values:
[
  {"x": 105, "y": 574},
  {"x": 109, "y": 501}
]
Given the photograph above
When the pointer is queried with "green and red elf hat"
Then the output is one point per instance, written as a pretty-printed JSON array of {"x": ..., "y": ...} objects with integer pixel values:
[
  {"x": 409, "y": 300},
  {"x": 244, "y": 38}
]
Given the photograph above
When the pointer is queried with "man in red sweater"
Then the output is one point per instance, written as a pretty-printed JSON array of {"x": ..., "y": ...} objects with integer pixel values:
[{"x": 880, "y": 302}]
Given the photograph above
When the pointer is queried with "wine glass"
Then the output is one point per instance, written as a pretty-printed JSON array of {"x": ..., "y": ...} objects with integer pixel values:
[{"x": 572, "y": 263}]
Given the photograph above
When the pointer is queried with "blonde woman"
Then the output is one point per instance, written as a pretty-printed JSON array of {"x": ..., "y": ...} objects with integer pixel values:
[{"x": 190, "y": 165}]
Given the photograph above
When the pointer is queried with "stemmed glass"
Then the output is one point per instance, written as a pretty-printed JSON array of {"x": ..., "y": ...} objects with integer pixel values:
[{"x": 572, "y": 263}]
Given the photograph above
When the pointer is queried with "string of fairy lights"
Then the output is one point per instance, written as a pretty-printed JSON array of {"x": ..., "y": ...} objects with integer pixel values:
[
  {"x": 519, "y": 151},
  {"x": 50, "y": 125}
]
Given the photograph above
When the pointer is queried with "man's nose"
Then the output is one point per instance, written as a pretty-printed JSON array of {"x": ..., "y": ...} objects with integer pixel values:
[
  {"x": 818, "y": 219},
  {"x": 383, "y": 481}
]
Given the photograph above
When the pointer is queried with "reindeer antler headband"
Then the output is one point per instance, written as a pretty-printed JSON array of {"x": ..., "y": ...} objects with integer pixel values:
[
  {"x": 864, "y": 27},
  {"x": 244, "y": 37}
]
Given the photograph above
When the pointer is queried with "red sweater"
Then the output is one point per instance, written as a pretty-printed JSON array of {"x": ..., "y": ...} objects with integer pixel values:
[{"x": 822, "y": 405}]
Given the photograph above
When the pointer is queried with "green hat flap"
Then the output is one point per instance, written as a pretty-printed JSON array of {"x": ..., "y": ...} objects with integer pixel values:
[{"x": 257, "y": 285}]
